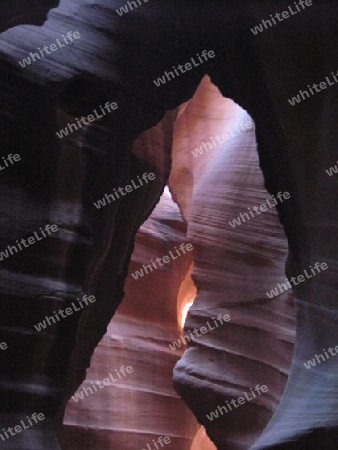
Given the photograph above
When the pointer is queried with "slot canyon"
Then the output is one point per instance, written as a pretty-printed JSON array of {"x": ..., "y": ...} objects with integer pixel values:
[{"x": 168, "y": 249}]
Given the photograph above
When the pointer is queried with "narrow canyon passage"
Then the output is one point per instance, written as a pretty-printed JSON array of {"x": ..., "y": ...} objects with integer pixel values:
[
  {"x": 224, "y": 257},
  {"x": 168, "y": 250}
]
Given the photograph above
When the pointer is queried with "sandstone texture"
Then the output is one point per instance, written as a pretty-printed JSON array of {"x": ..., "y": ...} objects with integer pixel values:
[{"x": 252, "y": 120}]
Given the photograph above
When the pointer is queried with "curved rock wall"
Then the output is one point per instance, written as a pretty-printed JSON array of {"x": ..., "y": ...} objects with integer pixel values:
[
  {"x": 234, "y": 266},
  {"x": 141, "y": 407}
]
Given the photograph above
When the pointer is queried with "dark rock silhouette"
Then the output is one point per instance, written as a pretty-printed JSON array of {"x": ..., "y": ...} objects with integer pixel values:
[{"x": 116, "y": 59}]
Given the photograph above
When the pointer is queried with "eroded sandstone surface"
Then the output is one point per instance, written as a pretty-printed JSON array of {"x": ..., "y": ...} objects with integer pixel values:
[{"x": 270, "y": 151}]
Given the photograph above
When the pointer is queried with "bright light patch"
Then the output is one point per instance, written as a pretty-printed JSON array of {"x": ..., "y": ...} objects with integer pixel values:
[{"x": 185, "y": 310}]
